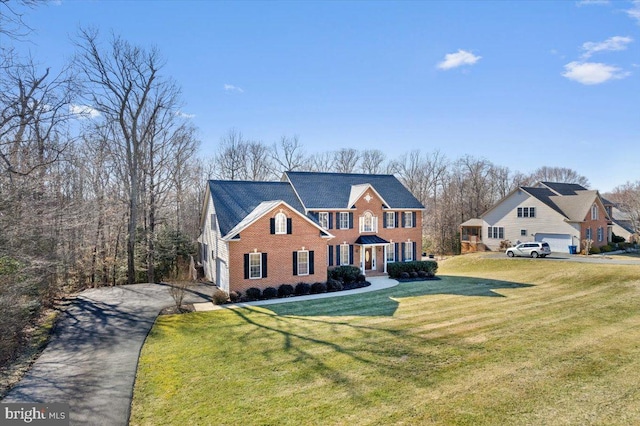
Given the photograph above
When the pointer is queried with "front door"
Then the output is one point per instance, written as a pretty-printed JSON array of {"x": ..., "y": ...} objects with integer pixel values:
[{"x": 367, "y": 258}]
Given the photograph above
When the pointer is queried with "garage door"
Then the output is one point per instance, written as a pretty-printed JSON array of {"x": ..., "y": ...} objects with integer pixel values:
[{"x": 557, "y": 242}]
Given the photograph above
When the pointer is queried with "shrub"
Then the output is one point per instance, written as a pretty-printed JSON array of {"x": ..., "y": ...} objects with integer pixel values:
[
  {"x": 361, "y": 278},
  {"x": 285, "y": 290},
  {"x": 253, "y": 293},
  {"x": 396, "y": 268},
  {"x": 594, "y": 250},
  {"x": 605, "y": 248},
  {"x": 404, "y": 275},
  {"x": 270, "y": 293},
  {"x": 219, "y": 297},
  {"x": 413, "y": 274},
  {"x": 345, "y": 273},
  {"x": 423, "y": 274},
  {"x": 302, "y": 289},
  {"x": 334, "y": 285},
  {"x": 234, "y": 296},
  {"x": 317, "y": 288}
]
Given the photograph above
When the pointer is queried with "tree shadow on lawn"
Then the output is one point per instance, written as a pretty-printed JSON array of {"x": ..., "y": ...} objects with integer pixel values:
[{"x": 385, "y": 302}]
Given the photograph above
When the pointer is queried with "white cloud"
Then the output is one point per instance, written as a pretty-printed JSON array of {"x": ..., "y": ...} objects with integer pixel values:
[
  {"x": 83, "y": 111},
  {"x": 458, "y": 59},
  {"x": 232, "y": 88},
  {"x": 590, "y": 73},
  {"x": 611, "y": 44},
  {"x": 185, "y": 115},
  {"x": 634, "y": 12}
]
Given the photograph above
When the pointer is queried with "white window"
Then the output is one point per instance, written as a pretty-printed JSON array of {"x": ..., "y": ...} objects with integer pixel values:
[
  {"x": 303, "y": 262},
  {"x": 588, "y": 234},
  {"x": 526, "y": 212},
  {"x": 255, "y": 265},
  {"x": 368, "y": 223},
  {"x": 344, "y": 254},
  {"x": 391, "y": 219},
  {"x": 213, "y": 221},
  {"x": 281, "y": 223},
  {"x": 594, "y": 212},
  {"x": 496, "y": 232},
  {"x": 600, "y": 233},
  {"x": 344, "y": 220},
  {"x": 523, "y": 232},
  {"x": 408, "y": 219},
  {"x": 408, "y": 251},
  {"x": 323, "y": 219},
  {"x": 391, "y": 252}
]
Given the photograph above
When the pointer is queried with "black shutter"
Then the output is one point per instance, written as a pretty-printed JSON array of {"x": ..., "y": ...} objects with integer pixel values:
[
  {"x": 311, "y": 268},
  {"x": 415, "y": 225},
  {"x": 330, "y": 220},
  {"x": 264, "y": 265},
  {"x": 415, "y": 254},
  {"x": 395, "y": 218},
  {"x": 289, "y": 225},
  {"x": 295, "y": 263},
  {"x": 384, "y": 219},
  {"x": 337, "y": 220},
  {"x": 330, "y": 255},
  {"x": 350, "y": 220},
  {"x": 402, "y": 213},
  {"x": 272, "y": 226},
  {"x": 246, "y": 266},
  {"x": 350, "y": 254},
  {"x": 338, "y": 255},
  {"x": 402, "y": 248},
  {"x": 396, "y": 248}
]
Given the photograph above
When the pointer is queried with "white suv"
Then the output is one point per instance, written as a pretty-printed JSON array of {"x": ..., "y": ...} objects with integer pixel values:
[{"x": 533, "y": 249}]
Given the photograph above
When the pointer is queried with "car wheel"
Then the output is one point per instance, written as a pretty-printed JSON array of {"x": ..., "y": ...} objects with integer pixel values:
[
  {"x": 543, "y": 255},
  {"x": 510, "y": 253},
  {"x": 534, "y": 254}
]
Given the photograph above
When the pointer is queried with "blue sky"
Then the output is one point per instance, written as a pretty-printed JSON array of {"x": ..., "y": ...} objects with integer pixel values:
[{"x": 522, "y": 84}]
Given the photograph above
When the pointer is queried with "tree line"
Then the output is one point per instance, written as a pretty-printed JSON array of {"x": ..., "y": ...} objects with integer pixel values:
[{"x": 452, "y": 190}]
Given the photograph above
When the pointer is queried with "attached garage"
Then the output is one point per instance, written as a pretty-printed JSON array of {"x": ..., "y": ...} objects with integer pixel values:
[{"x": 557, "y": 242}]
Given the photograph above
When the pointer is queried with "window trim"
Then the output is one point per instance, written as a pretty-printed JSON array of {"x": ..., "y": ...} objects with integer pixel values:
[
  {"x": 323, "y": 219},
  {"x": 495, "y": 230},
  {"x": 408, "y": 219},
  {"x": 373, "y": 222},
  {"x": 344, "y": 260},
  {"x": 300, "y": 263},
  {"x": 280, "y": 223},
  {"x": 391, "y": 249},
  {"x": 526, "y": 212},
  {"x": 390, "y": 218},
  {"x": 408, "y": 246},
  {"x": 253, "y": 255},
  {"x": 344, "y": 215},
  {"x": 594, "y": 212}
]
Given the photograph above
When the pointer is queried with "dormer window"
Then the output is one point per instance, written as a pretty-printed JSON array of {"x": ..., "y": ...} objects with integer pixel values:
[{"x": 594, "y": 212}]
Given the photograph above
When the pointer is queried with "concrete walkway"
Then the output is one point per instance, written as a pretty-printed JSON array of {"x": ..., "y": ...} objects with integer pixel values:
[
  {"x": 92, "y": 357},
  {"x": 377, "y": 283}
]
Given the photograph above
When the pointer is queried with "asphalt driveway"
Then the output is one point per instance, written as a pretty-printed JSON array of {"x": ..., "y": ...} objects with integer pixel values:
[
  {"x": 604, "y": 259},
  {"x": 91, "y": 360}
]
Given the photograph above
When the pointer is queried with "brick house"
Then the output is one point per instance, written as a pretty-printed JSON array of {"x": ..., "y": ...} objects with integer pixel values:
[
  {"x": 261, "y": 234},
  {"x": 561, "y": 214}
]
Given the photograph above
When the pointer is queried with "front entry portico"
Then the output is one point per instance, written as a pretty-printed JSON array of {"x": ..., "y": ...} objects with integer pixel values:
[{"x": 369, "y": 245}]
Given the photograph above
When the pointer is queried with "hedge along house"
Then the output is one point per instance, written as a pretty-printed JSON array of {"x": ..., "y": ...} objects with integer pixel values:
[{"x": 262, "y": 234}]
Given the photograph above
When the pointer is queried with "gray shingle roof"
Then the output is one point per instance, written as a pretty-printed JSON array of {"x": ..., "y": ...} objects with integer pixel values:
[
  {"x": 544, "y": 195},
  {"x": 332, "y": 190},
  {"x": 564, "y": 188},
  {"x": 234, "y": 200}
]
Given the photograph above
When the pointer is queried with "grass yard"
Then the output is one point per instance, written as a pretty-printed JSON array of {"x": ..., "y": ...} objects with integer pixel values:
[{"x": 494, "y": 341}]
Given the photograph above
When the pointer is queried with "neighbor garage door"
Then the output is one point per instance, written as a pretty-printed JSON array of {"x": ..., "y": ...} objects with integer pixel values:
[{"x": 557, "y": 242}]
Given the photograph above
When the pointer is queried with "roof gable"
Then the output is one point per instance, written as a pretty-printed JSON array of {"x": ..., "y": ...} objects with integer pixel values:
[
  {"x": 235, "y": 200},
  {"x": 319, "y": 191},
  {"x": 357, "y": 191}
]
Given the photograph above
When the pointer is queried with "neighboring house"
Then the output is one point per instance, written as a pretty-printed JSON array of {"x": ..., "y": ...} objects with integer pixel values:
[
  {"x": 560, "y": 214},
  {"x": 262, "y": 234},
  {"x": 622, "y": 225}
]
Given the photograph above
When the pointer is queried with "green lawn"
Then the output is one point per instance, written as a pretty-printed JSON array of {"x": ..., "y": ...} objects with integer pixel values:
[{"x": 504, "y": 341}]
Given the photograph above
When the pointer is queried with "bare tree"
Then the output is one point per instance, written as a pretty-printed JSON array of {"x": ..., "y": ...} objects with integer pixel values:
[
  {"x": 231, "y": 158},
  {"x": 558, "y": 174},
  {"x": 346, "y": 160},
  {"x": 371, "y": 161},
  {"x": 259, "y": 164},
  {"x": 287, "y": 155},
  {"x": 627, "y": 198},
  {"x": 322, "y": 162},
  {"x": 124, "y": 85}
]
